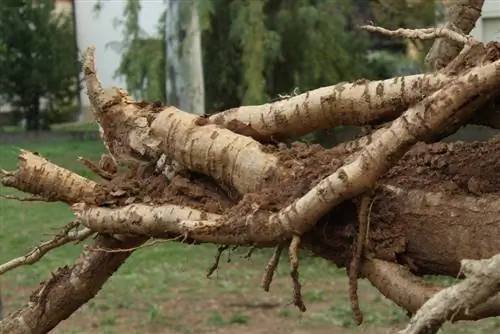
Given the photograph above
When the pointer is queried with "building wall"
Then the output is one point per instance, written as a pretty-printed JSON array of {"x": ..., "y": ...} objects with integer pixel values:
[{"x": 488, "y": 26}]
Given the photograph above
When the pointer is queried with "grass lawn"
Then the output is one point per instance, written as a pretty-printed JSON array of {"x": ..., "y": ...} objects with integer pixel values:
[
  {"x": 70, "y": 126},
  {"x": 163, "y": 288}
]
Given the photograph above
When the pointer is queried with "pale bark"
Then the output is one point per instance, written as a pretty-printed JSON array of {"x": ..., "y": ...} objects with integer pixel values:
[
  {"x": 482, "y": 282},
  {"x": 141, "y": 219},
  {"x": 185, "y": 81},
  {"x": 428, "y": 212},
  {"x": 416, "y": 233},
  {"x": 144, "y": 135},
  {"x": 229, "y": 158},
  {"x": 69, "y": 288},
  {"x": 358, "y": 103},
  {"x": 460, "y": 15},
  {"x": 38, "y": 176},
  {"x": 410, "y": 292},
  {"x": 430, "y": 116}
]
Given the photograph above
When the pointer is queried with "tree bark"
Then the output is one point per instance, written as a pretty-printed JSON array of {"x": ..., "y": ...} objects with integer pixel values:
[
  {"x": 238, "y": 191},
  {"x": 185, "y": 82},
  {"x": 32, "y": 115},
  {"x": 69, "y": 288},
  {"x": 460, "y": 15}
]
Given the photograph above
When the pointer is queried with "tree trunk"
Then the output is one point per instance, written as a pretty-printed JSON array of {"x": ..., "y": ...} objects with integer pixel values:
[
  {"x": 82, "y": 282},
  {"x": 430, "y": 232},
  {"x": 184, "y": 81},
  {"x": 389, "y": 201},
  {"x": 33, "y": 115}
]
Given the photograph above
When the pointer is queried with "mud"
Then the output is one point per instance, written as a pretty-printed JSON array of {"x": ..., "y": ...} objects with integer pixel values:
[
  {"x": 304, "y": 166},
  {"x": 452, "y": 168},
  {"x": 458, "y": 168},
  {"x": 152, "y": 187}
]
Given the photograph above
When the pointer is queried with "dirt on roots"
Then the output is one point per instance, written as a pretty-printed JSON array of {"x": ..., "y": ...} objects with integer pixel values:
[{"x": 457, "y": 168}]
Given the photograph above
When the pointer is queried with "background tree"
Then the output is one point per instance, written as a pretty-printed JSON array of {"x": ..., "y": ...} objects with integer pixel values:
[
  {"x": 143, "y": 59},
  {"x": 391, "y": 206},
  {"x": 37, "y": 61},
  {"x": 255, "y": 51},
  {"x": 185, "y": 86}
]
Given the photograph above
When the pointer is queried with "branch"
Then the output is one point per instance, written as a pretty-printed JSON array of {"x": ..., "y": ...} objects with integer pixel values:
[
  {"x": 482, "y": 282},
  {"x": 66, "y": 236},
  {"x": 410, "y": 292},
  {"x": 40, "y": 177},
  {"x": 358, "y": 103},
  {"x": 68, "y": 289},
  {"x": 430, "y": 116},
  {"x": 461, "y": 16},
  {"x": 143, "y": 219},
  {"x": 427, "y": 33}
]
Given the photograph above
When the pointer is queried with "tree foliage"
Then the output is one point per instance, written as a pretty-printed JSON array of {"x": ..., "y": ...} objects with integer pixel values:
[
  {"x": 254, "y": 51},
  {"x": 37, "y": 60},
  {"x": 257, "y": 51},
  {"x": 143, "y": 62},
  {"x": 390, "y": 206}
]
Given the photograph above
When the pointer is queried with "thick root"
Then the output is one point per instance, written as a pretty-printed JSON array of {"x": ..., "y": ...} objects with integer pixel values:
[
  {"x": 359, "y": 103},
  {"x": 482, "y": 282},
  {"x": 68, "y": 289},
  {"x": 37, "y": 176},
  {"x": 146, "y": 133},
  {"x": 142, "y": 219},
  {"x": 431, "y": 116}
]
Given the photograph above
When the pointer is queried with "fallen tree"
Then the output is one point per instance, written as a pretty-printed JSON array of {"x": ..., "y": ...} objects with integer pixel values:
[{"x": 389, "y": 206}]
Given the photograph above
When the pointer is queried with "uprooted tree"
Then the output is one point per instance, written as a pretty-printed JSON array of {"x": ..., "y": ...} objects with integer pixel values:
[{"x": 389, "y": 206}]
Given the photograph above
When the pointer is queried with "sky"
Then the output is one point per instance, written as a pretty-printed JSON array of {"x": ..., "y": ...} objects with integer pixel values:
[{"x": 98, "y": 30}]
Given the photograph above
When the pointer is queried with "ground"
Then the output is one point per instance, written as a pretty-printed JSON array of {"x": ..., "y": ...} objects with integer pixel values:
[{"x": 163, "y": 288}]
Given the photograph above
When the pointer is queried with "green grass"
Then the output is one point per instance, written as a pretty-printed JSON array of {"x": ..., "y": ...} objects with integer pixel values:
[
  {"x": 163, "y": 289},
  {"x": 71, "y": 126}
]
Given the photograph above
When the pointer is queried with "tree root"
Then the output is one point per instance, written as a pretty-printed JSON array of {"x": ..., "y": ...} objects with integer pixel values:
[
  {"x": 267, "y": 278},
  {"x": 68, "y": 289},
  {"x": 430, "y": 116},
  {"x": 131, "y": 249},
  {"x": 67, "y": 235},
  {"x": 460, "y": 16},
  {"x": 363, "y": 225},
  {"x": 249, "y": 253},
  {"x": 294, "y": 273},
  {"x": 25, "y": 199},
  {"x": 482, "y": 282},
  {"x": 410, "y": 292},
  {"x": 426, "y": 33},
  {"x": 140, "y": 134},
  {"x": 37, "y": 176},
  {"x": 215, "y": 265},
  {"x": 96, "y": 169}
]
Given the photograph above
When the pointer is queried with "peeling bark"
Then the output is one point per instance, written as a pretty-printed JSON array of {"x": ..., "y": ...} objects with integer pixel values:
[
  {"x": 212, "y": 156},
  {"x": 359, "y": 103},
  {"x": 69, "y": 288},
  {"x": 461, "y": 15},
  {"x": 38, "y": 176},
  {"x": 482, "y": 282},
  {"x": 398, "y": 284}
]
